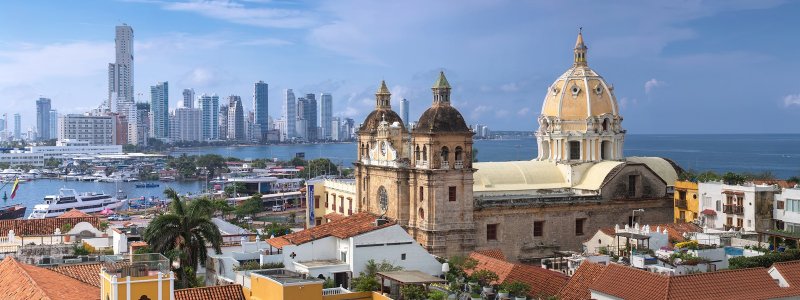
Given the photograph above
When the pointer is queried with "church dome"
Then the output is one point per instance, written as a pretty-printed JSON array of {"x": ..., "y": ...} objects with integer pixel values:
[
  {"x": 579, "y": 96},
  {"x": 441, "y": 116},
  {"x": 383, "y": 111}
]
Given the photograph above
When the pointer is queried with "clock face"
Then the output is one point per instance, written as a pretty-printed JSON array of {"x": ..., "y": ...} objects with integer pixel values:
[{"x": 383, "y": 199}]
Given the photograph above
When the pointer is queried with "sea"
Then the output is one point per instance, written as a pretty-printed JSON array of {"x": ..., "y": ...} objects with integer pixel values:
[{"x": 776, "y": 153}]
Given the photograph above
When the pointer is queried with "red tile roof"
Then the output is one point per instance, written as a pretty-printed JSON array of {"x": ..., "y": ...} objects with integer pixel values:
[
  {"x": 493, "y": 253},
  {"x": 790, "y": 270},
  {"x": 542, "y": 281},
  {"x": 73, "y": 213},
  {"x": 631, "y": 284},
  {"x": 219, "y": 292},
  {"x": 345, "y": 228},
  {"x": 26, "y": 282},
  {"x": 86, "y": 273},
  {"x": 577, "y": 287},
  {"x": 42, "y": 226},
  {"x": 334, "y": 216}
]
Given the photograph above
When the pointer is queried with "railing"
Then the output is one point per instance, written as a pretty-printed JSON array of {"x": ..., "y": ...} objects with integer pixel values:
[
  {"x": 421, "y": 164},
  {"x": 335, "y": 291},
  {"x": 733, "y": 209},
  {"x": 445, "y": 165},
  {"x": 680, "y": 220},
  {"x": 459, "y": 165},
  {"x": 727, "y": 227},
  {"x": 680, "y": 203}
]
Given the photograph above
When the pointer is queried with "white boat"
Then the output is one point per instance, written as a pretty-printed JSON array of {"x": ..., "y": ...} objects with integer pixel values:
[{"x": 67, "y": 199}]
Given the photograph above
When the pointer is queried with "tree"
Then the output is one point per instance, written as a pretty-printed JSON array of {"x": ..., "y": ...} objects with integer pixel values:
[
  {"x": 413, "y": 292},
  {"x": 259, "y": 163},
  {"x": 52, "y": 163},
  {"x": 317, "y": 167},
  {"x": 250, "y": 207},
  {"x": 708, "y": 176},
  {"x": 297, "y": 162},
  {"x": 5, "y": 165},
  {"x": 213, "y": 163},
  {"x": 183, "y": 233},
  {"x": 277, "y": 229},
  {"x": 367, "y": 280},
  {"x": 733, "y": 178},
  {"x": 128, "y": 148},
  {"x": 231, "y": 190},
  {"x": 222, "y": 207},
  {"x": 794, "y": 179}
]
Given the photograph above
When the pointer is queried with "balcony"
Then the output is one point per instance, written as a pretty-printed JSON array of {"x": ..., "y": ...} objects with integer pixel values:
[
  {"x": 459, "y": 165},
  {"x": 680, "y": 203},
  {"x": 680, "y": 220},
  {"x": 445, "y": 165},
  {"x": 727, "y": 227},
  {"x": 733, "y": 209},
  {"x": 422, "y": 164}
]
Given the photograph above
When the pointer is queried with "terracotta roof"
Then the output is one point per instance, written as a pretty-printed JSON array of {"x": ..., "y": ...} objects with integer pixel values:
[
  {"x": 218, "y": 292},
  {"x": 334, "y": 216},
  {"x": 73, "y": 213},
  {"x": 542, "y": 281},
  {"x": 790, "y": 270},
  {"x": 26, "y": 282},
  {"x": 578, "y": 285},
  {"x": 356, "y": 224},
  {"x": 86, "y": 273},
  {"x": 42, "y": 226},
  {"x": 493, "y": 253},
  {"x": 781, "y": 183},
  {"x": 752, "y": 283},
  {"x": 709, "y": 212},
  {"x": 139, "y": 244}
]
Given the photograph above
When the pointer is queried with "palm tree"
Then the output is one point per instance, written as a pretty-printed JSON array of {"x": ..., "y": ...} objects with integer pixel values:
[{"x": 183, "y": 233}]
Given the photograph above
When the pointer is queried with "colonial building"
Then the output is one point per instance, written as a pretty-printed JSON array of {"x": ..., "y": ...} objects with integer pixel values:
[{"x": 424, "y": 179}]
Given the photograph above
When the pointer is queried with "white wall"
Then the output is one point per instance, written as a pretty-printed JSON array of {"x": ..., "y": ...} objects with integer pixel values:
[
  {"x": 785, "y": 215},
  {"x": 417, "y": 258}
]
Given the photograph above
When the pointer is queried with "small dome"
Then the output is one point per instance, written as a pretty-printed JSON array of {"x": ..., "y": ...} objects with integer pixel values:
[
  {"x": 441, "y": 118},
  {"x": 377, "y": 116}
]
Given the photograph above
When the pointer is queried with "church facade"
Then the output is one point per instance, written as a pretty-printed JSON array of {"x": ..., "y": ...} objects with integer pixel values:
[{"x": 425, "y": 179}]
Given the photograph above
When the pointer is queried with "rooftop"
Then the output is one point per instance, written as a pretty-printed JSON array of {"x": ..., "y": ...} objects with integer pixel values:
[
  {"x": 542, "y": 281},
  {"x": 351, "y": 226},
  {"x": 411, "y": 277},
  {"x": 285, "y": 277},
  {"x": 26, "y": 282},
  {"x": 218, "y": 292}
]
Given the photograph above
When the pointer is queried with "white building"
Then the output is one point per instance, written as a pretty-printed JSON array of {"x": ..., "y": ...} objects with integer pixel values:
[
  {"x": 188, "y": 124},
  {"x": 290, "y": 113},
  {"x": 120, "y": 73},
  {"x": 341, "y": 249},
  {"x": 97, "y": 130},
  {"x": 209, "y": 104},
  {"x": 787, "y": 210},
  {"x": 326, "y": 115},
  {"x": 745, "y": 207}
]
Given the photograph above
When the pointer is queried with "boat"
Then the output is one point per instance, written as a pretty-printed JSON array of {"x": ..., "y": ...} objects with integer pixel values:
[
  {"x": 147, "y": 185},
  {"x": 67, "y": 199},
  {"x": 12, "y": 212}
]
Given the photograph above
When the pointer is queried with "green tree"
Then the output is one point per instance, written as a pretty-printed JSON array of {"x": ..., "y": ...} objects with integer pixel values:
[
  {"x": 52, "y": 163},
  {"x": 297, "y": 162},
  {"x": 413, "y": 292},
  {"x": 794, "y": 179},
  {"x": 250, "y": 207},
  {"x": 213, "y": 163},
  {"x": 277, "y": 229},
  {"x": 222, "y": 207},
  {"x": 231, "y": 190},
  {"x": 259, "y": 163},
  {"x": 128, "y": 148},
  {"x": 708, "y": 176},
  {"x": 367, "y": 279},
  {"x": 183, "y": 233},
  {"x": 733, "y": 178},
  {"x": 5, "y": 165},
  {"x": 317, "y": 167}
]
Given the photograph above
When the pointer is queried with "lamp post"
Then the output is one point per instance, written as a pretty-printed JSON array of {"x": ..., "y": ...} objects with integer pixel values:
[{"x": 633, "y": 222}]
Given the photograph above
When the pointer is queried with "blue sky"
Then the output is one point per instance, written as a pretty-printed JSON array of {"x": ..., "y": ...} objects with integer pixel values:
[{"x": 677, "y": 66}]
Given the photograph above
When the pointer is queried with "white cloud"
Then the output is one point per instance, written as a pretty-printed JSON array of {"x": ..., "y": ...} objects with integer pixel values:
[
  {"x": 235, "y": 12},
  {"x": 500, "y": 113},
  {"x": 266, "y": 42},
  {"x": 509, "y": 87},
  {"x": 651, "y": 84},
  {"x": 31, "y": 63},
  {"x": 524, "y": 111},
  {"x": 791, "y": 100}
]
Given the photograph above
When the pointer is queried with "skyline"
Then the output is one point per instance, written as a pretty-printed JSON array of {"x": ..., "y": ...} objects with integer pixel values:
[{"x": 672, "y": 73}]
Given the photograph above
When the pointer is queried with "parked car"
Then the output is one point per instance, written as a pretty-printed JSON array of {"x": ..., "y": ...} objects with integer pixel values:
[
  {"x": 113, "y": 217},
  {"x": 123, "y": 218},
  {"x": 278, "y": 208}
]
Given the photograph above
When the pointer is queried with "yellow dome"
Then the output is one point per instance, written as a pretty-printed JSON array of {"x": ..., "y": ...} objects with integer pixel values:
[{"x": 580, "y": 94}]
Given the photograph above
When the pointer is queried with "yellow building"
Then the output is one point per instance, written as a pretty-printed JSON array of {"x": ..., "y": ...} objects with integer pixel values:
[
  {"x": 687, "y": 203},
  {"x": 330, "y": 199},
  {"x": 281, "y": 284},
  {"x": 144, "y": 276}
]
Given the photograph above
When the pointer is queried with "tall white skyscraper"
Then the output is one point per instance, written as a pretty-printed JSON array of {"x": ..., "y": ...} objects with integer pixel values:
[
  {"x": 404, "y": 111},
  {"x": 209, "y": 104},
  {"x": 17, "y": 126},
  {"x": 290, "y": 113},
  {"x": 188, "y": 122},
  {"x": 120, "y": 73},
  {"x": 326, "y": 115},
  {"x": 159, "y": 108},
  {"x": 260, "y": 108},
  {"x": 235, "y": 118},
  {"x": 188, "y": 98},
  {"x": 53, "y": 124},
  {"x": 43, "y": 118}
]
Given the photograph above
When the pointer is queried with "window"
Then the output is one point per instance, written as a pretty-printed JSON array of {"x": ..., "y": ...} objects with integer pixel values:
[
  {"x": 451, "y": 194},
  {"x": 421, "y": 213},
  {"x": 424, "y": 153},
  {"x": 682, "y": 195},
  {"x": 343, "y": 255},
  {"x": 445, "y": 154},
  {"x": 719, "y": 205},
  {"x": 682, "y": 215},
  {"x": 739, "y": 222},
  {"x": 491, "y": 232},
  {"x": 574, "y": 150},
  {"x": 421, "y": 194},
  {"x": 459, "y": 153},
  {"x": 316, "y": 201},
  {"x": 793, "y": 205},
  {"x": 729, "y": 221},
  {"x": 780, "y": 204},
  {"x": 416, "y": 153},
  {"x": 579, "y": 226},
  {"x": 403, "y": 256},
  {"x": 538, "y": 228}
]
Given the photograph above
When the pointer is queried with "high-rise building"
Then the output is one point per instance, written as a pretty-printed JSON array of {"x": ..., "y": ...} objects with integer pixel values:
[
  {"x": 142, "y": 124},
  {"x": 120, "y": 73},
  {"x": 209, "y": 104},
  {"x": 235, "y": 118},
  {"x": 17, "y": 126},
  {"x": 159, "y": 107},
  {"x": 326, "y": 115},
  {"x": 348, "y": 128},
  {"x": 53, "y": 124},
  {"x": 188, "y": 98},
  {"x": 188, "y": 124},
  {"x": 309, "y": 113},
  {"x": 335, "y": 128},
  {"x": 302, "y": 122},
  {"x": 404, "y": 111},
  {"x": 290, "y": 115},
  {"x": 260, "y": 108},
  {"x": 96, "y": 130},
  {"x": 223, "y": 122},
  {"x": 43, "y": 118}
]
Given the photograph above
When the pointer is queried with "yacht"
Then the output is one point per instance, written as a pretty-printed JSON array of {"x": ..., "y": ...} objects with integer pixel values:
[{"x": 67, "y": 199}]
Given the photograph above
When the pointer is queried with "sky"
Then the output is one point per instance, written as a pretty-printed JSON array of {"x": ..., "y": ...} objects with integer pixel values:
[{"x": 677, "y": 66}]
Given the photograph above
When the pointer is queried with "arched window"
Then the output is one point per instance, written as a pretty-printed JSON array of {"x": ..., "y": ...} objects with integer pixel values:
[
  {"x": 421, "y": 194},
  {"x": 605, "y": 124},
  {"x": 383, "y": 199},
  {"x": 416, "y": 153},
  {"x": 424, "y": 152},
  {"x": 421, "y": 213},
  {"x": 459, "y": 153},
  {"x": 445, "y": 154}
]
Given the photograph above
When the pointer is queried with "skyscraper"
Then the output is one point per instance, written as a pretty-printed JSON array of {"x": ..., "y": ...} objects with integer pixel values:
[
  {"x": 235, "y": 118},
  {"x": 188, "y": 122},
  {"x": 53, "y": 124},
  {"x": 188, "y": 98},
  {"x": 43, "y": 118},
  {"x": 404, "y": 111},
  {"x": 261, "y": 110},
  {"x": 159, "y": 106},
  {"x": 310, "y": 115},
  {"x": 120, "y": 73},
  {"x": 17, "y": 126},
  {"x": 209, "y": 104},
  {"x": 290, "y": 114},
  {"x": 326, "y": 115},
  {"x": 223, "y": 122},
  {"x": 142, "y": 126}
]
